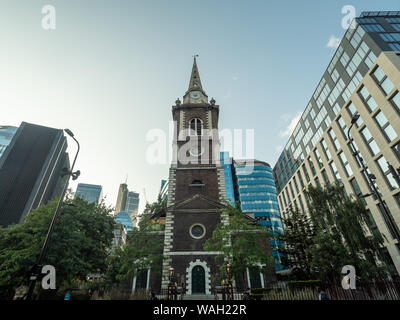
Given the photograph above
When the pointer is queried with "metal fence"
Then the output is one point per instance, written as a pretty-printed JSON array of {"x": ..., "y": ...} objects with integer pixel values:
[{"x": 370, "y": 290}]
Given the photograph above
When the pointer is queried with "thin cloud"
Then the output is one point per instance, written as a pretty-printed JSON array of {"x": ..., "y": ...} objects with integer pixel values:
[
  {"x": 292, "y": 125},
  {"x": 333, "y": 42}
]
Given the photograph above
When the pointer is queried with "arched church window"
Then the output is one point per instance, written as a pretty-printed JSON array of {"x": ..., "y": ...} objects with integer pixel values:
[{"x": 196, "y": 127}]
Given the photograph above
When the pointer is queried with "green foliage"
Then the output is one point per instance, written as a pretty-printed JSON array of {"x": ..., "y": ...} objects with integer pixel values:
[
  {"x": 341, "y": 224},
  {"x": 143, "y": 249},
  {"x": 301, "y": 284},
  {"x": 242, "y": 241},
  {"x": 78, "y": 246},
  {"x": 298, "y": 237}
]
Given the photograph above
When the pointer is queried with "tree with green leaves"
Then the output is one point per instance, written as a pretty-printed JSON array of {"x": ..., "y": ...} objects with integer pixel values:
[
  {"x": 78, "y": 245},
  {"x": 143, "y": 250},
  {"x": 243, "y": 242},
  {"x": 345, "y": 235},
  {"x": 297, "y": 237}
]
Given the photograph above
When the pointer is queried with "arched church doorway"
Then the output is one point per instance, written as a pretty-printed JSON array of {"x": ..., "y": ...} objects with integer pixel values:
[{"x": 198, "y": 280}]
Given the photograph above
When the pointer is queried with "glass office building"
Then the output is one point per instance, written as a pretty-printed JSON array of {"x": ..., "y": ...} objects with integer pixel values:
[
  {"x": 127, "y": 201},
  {"x": 363, "y": 77},
  {"x": 6, "y": 135},
  {"x": 227, "y": 164},
  {"x": 251, "y": 183},
  {"x": 90, "y": 192},
  {"x": 256, "y": 192},
  {"x": 31, "y": 162},
  {"x": 163, "y": 189},
  {"x": 124, "y": 219}
]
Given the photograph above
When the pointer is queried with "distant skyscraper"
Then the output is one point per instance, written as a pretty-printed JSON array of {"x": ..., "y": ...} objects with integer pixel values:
[
  {"x": 6, "y": 135},
  {"x": 227, "y": 164},
  {"x": 124, "y": 219},
  {"x": 30, "y": 170},
  {"x": 127, "y": 201},
  {"x": 92, "y": 193},
  {"x": 164, "y": 189}
]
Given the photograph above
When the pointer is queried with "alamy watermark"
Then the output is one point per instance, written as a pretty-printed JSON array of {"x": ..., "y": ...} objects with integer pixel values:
[
  {"x": 191, "y": 147},
  {"x": 349, "y": 280},
  {"x": 48, "y": 17},
  {"x": 348, "y": 19}
]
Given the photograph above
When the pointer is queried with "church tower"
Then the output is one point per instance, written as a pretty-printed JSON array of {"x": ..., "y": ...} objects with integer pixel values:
[{"x": 196, "y": 191}]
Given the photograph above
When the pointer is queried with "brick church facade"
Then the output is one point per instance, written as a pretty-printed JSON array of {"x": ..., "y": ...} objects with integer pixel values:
[{"x": 196, "y": 194}]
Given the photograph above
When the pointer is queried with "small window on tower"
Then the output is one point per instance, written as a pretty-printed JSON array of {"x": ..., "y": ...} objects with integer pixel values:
[{"x": 196, "y": 127}]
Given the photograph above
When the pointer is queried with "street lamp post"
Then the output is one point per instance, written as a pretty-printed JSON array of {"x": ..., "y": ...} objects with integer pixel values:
[
  {"x": 228, "y": 273},
  {"x": 36, "y": 270},
  {"x": 370, "y": 177},
  {"x": 170, "y": 284}
]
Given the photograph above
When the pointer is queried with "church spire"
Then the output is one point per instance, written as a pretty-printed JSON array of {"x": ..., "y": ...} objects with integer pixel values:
[
  {"x": 195, "y": 92},
  {"x": 195, "y": 82}
]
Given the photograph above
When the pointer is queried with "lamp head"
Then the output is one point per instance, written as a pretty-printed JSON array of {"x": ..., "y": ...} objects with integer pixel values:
[
  {"x": 69, "y": 132},
  {"x": 355, "y": 118}
]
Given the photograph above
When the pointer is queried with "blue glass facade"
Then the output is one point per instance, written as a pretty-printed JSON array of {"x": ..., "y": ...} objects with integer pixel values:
[
  {"x": 254, "y": 187},
  {"x": 163, "y": 189},
  {"x": 90, "y": 192},
  {"x": 6, "y": 135},
  {"x": 227, "y": 164},
  {"x": 124, "y": 219}
]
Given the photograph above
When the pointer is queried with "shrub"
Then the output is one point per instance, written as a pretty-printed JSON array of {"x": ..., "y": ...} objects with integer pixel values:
[{"x": 301, "y": 284}]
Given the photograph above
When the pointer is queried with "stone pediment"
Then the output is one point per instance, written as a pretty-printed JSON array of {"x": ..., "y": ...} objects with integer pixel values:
[{"x": 197, "y": 201}]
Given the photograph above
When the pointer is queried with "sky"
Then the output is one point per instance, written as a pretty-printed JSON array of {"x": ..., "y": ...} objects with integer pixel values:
[{"x": 111, "y": 70}]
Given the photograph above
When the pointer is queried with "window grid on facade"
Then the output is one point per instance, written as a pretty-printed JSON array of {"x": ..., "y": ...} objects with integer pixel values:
[
  {"x": 311, "y": 166},
  {"x": 370, "y": 141},
  {"x": 318, "y": 156},
  {"x": 396, "y": 150},
  {"x": 368, "y": 100},
  {"x": 395, "y": 100},
  {"x": 325, "y": 176},
  {"x": 382, "y": 164},
  {"x": 343, "y": 127},
  {"x": 383, "y": 80},
  {"x": 305, "y": 173},
  {"x": 300, "y": 179},
  {"x": 334, "y": 139},
  {"x": 326, "y": 149},
  {"x": 373, "y": 27},
  {"x": 353, "y": 111},
  {"x": 335, "y": 172},
  {"x": 387, "y": 129},
  {"x": 345, "y": 164}
]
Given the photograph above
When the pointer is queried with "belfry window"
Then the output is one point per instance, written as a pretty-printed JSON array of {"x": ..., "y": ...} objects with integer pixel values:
[{"x": 196, "y": 127}]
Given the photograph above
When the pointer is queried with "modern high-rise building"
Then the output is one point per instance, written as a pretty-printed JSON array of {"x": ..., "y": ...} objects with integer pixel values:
[
  {"x": 123, "y": 218},
  {"x": 6, "y": 135},
  {"x": 127, "y": 201},
  {"x": 92, "y": 193},
  {"x": 30, "y": 170},
  {"x": 252, "y": 184},
  {"x": 363, "y": 78},
  {"x": 227, "y": 164},
  {"x": 164, "y": 189}
]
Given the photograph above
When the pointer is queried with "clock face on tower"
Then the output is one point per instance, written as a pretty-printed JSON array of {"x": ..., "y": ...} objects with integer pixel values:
[
  {"x": 195, "y": 95},
  {"x": 195, "y": 152}
]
